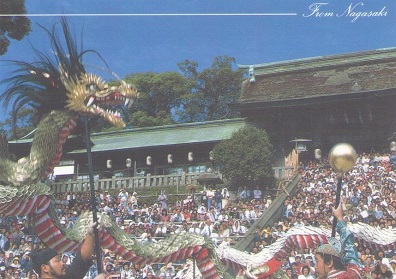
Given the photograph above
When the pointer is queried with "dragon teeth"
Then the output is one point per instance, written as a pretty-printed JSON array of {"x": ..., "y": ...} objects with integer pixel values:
[
  {"x": 126, "y": 101},
  {"x": 90, "y": 102},
  {"x": 130, "y": 103}
]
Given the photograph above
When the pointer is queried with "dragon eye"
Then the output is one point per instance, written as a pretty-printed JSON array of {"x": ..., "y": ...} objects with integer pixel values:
[{"x": 92, "y": 87}]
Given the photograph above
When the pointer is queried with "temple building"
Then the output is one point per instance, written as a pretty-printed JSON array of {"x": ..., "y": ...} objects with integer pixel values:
[{"x": 327, "y": 100}]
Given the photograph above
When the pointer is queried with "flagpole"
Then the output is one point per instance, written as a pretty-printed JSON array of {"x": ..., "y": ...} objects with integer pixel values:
[{"x": 93, "y": 198}]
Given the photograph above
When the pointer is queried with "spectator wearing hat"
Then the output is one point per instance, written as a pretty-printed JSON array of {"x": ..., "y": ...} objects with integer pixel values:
[
  {"x": 168, "y": 270},
  {"x": 392, "y": 267},
  {"x": 109, "y": 269},
  {"x": 107, "y": 259},
  {"x": 26, "y": 262},
  {"x": 329, "y": 258},
  {"x": 47, "y": 263},
  {"x": 15, "y": 263}
]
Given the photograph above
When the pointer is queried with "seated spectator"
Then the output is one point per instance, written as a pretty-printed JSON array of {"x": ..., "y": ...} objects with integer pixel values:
[
  {"x": 177, "y": 217},
  {"x": 148, "y": 271},
  {"x": 186, "y": 214},
  {"x": 238, "y": 228},
  {"x": 195, "y": 228},
  {"x": 126, "y": 272},
  {"x": 208, "y": 228},
  {"x": 194, "y": 216},
  {"x": 168, "y": 270},
  {"x": 306, "y": 273},
  {"x": 165, "y": 217},
  {"x": 211, "y": 215}
]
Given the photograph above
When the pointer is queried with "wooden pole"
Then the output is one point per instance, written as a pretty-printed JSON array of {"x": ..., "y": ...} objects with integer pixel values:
[
  {"x": 338, "y": 198},
  {"x": 93, "y": 198}
]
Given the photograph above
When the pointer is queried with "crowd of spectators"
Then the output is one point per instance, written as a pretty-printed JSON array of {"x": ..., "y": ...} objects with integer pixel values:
[
  {"x": 212, "y": 213},
  {"x": 368, "y": 196}
]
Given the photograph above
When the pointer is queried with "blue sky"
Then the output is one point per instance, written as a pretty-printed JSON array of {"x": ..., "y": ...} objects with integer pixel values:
[{"x": 154, "y": 35}]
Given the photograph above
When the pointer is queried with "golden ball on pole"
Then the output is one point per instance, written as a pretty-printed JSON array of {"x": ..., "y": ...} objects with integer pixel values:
[{"x": 342, "y": 157}]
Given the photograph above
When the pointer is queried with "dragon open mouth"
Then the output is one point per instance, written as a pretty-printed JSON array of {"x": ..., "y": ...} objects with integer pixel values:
[
  {"x": 92, "y": 95},
  {"x": 107, "y": 106},
  {"x": 112, "y": 99}
]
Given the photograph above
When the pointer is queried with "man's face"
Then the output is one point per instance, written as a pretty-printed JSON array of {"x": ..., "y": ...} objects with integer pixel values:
[
  {"x": 320, "y": 267},
  {"x": 57, "y": 268}
]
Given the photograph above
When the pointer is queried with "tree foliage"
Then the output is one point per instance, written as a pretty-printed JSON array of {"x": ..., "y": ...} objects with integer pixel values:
[
  {"x": 215, "y": 88},
  {"x": 246, "y": 158},
  {"x": 159, "y": 95},
  {"x": 24, "y": 124},
  {"x": 189, "y": 96},
  {"x": 12, "y": 27}
]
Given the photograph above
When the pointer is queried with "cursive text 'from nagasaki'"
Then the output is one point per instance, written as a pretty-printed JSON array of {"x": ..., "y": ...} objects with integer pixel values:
[{"x": 354, "y": 11}]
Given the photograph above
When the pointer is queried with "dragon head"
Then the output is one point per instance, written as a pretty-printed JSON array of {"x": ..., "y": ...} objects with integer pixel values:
[
  {"x": 90, "y": 94},
  {"x": 62, "y": 82}
]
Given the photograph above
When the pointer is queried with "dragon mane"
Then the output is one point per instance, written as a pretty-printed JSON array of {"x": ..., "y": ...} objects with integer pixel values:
[{"x": 38, "y": 84}]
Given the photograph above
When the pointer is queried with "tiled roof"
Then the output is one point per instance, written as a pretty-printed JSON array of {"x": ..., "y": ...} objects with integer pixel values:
[
  {"x": 211, "y": 131},
  {"x": 326, "y": 76}
]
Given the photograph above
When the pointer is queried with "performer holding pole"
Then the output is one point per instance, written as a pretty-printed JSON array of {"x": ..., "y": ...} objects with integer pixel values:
[
  {"x": 48, "y": 264},
  {"x": 93, "y": 198},
  {"x": 342, "y": 158}
]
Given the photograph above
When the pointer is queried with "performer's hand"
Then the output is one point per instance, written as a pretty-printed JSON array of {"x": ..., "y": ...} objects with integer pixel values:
[
  {"x": 91, "y": 229},
  {"x": 338, "y": 212}
]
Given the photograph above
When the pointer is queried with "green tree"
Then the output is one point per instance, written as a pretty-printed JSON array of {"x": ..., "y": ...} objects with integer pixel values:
[
  {"x": 12, "y": 27},
  {"x": 160, "y": 94},
  {"x": 246, "y": 158},
  {"x": 142, "y": 119},
  {"x": 215, "y": 89},
  {"x": 24, "y": 124}
]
